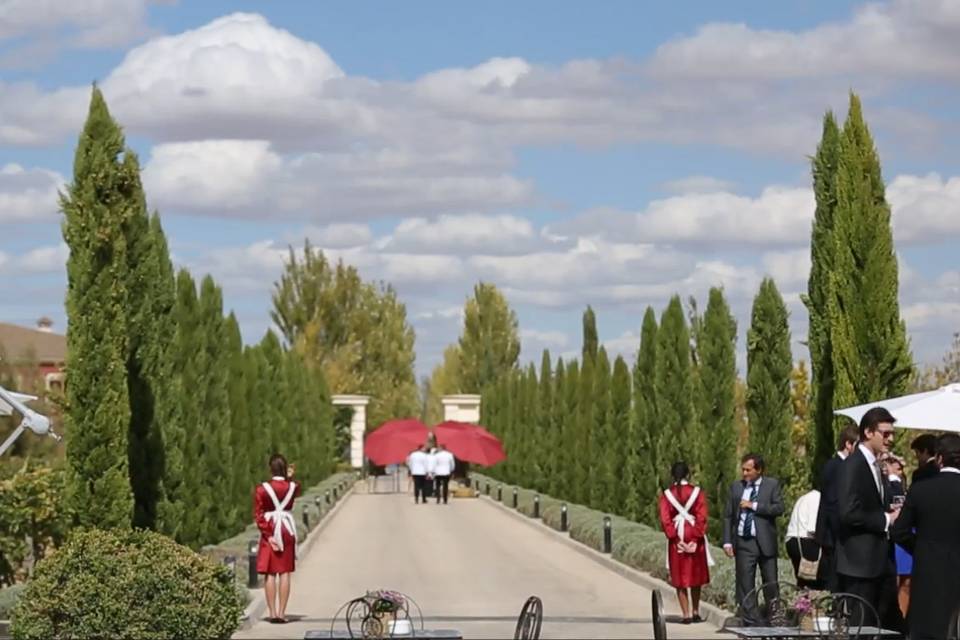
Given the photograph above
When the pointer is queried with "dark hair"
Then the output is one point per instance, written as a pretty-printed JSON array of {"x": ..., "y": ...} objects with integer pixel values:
[
  {"x": 873, "y": 418},
  {"x": 849, "y": 434},
  {"x": 278, "y": 465},
  {"x": 926, "y": 443},
  {"x": 679, "y": 471},
  {"x": 757, "y": 460},
  {"x": 948, "y": 448}
]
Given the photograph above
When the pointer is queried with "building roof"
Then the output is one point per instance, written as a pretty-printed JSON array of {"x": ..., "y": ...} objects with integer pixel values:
[{"x": 19, "y": 343}]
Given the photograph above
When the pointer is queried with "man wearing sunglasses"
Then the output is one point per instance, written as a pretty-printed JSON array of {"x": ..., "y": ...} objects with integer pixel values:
[{"x": 865, "y": 562}]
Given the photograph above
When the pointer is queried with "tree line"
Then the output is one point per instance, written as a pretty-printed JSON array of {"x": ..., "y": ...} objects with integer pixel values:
[
  {"x": 169, "y": 417},
  {"x": 605, "y": 434}
]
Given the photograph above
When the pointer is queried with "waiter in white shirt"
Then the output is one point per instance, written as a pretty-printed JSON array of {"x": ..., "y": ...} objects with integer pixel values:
[
  {"x": 417, "y": 464},
  {"x": 801, "y": 536},
  {"x": 443, "y": 464}
]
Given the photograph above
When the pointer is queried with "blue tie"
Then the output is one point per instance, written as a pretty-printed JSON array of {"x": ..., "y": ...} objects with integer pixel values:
[{"x": 748, "y": 516}]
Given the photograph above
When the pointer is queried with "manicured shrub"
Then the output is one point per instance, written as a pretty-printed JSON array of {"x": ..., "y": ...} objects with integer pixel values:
[{"x": 127, "y": 584}]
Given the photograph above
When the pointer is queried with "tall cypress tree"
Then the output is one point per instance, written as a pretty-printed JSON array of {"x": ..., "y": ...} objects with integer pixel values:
[
  {"x": 560, "y": 454},
  {"x": 620, "y": 429},
  {"x": 718, "y": 376},
  {"x": 571, "y": 431},
  {"x": 590, "y": 340},
  {"x": 600, "y": 469},
  {"x": 531, "y": 429},
  {"x": 549, "y": 443},
  {"x": 584, "y": 426},
  {"x": 870, "y": 351},
  {"x": 673, "y": 383},
  {"x": 240, "y": 426},
  {"x": 97, "y": 209},
  {"x": 822, "y": 250},
  {"x": 769, "y": 365},
  {"x": 643, "y": 460}
]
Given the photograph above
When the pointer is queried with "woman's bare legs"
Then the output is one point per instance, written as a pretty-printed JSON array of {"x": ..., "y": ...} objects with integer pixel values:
[
  {"x": 903, "y": 594},
  {"x": 684, "y": 602},
  {"x": 284, "y": 594},
  {"x": 270, "y": 590},
  {"x": 695, "y": 595}
]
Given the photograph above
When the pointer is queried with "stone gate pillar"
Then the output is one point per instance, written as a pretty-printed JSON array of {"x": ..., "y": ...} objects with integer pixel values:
[
  {"x": 462, "y": 407},
  {"x": 358, "y": 424}
]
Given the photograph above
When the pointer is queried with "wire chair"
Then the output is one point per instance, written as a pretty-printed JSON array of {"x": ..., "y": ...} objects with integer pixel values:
[
  {"x": 363, "y": 618},
  {"x": 530, "y": 620},
  {"x": 847, "y": 615},
  {"x": 774, "y": 611},
  {"x": 659, "y": 622}
]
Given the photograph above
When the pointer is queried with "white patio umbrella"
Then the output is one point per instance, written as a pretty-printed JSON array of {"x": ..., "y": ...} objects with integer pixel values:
[{"x": 937, "y": 410}]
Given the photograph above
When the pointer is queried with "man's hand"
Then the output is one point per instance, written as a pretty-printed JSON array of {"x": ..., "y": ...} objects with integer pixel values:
[
  {"x": 893, "y": 515},
  {"x": 728, "y": 549},
  {"x": 746, "y": 504}
]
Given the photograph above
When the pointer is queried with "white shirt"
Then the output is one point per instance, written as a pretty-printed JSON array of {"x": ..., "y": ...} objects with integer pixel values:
[
  {"x": 417, "y": 463},
  {"x": 803, "y": 520},
  {"x": 872, "y": 461},
  {"x": 747, "y": 490},
  {"x": 949, "y": 470},
  {"x": 443, "y": 463}
]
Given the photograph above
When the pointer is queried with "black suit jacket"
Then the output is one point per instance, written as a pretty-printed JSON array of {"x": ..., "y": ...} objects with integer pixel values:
[
  {"x": 769, "y": 508},
  {"x": 925, "y": 472},
  {"x": 929, "y": 525},
  {"x": 863, "y": 548},
  {"x": 828, "y": 521}
]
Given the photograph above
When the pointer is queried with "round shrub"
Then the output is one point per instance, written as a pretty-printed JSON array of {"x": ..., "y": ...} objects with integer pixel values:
[{"x": 127, "y": 584}]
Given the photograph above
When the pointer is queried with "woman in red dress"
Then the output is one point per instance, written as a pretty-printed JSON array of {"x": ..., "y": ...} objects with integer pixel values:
[
  {"x": 683, "y": 516},
  {"x": 273, "y": 513}
]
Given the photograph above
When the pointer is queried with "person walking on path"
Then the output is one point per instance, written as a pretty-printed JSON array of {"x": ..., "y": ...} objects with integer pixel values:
[
  {"x": 276, "y": 555},
  {"x": 929, "y": 526},
  {"x": 417, "y": 462},
  {"x": 683, "y": 516},
  {"x": 443, "y": 464},
  {"x": 750, "y": 534}
]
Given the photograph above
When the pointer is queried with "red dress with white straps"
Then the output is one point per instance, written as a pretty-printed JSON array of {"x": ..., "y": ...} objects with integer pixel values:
[
  {"x": 274, "y": 517},
  {"x": 686, "y": 569}
]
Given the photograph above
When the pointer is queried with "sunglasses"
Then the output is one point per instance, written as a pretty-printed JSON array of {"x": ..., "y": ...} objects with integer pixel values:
[{"x": 886, "y": 434}]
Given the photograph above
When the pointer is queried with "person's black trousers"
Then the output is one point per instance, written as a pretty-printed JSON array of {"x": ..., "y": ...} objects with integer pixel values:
[
  {"x": 441, "y": 485},
  {"x": 419, "y": 488},
  {"x": 881, "y": 593},
  {"x": 809, "y": 549}
]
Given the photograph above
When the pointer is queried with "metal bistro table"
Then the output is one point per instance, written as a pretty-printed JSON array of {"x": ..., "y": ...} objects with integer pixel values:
[
  {"x": 796, "y": 632},
  {"x": 343, "y": 634}
]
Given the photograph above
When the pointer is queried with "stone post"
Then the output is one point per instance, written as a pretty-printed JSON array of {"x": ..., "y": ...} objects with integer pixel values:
[{"x": 358, "y": 424}]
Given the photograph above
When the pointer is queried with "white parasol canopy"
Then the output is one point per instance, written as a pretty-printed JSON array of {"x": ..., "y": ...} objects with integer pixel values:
[
  {"x": 937, "y": 410},
  {"x": 6, "y": 409}
]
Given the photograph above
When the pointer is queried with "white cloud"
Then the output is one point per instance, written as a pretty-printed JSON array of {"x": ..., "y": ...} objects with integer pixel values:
[
  {"x": 463, "y": 234},
  {"x": 36, "y": 261},
  {"x": 925, "y": 208},
  {"x": 28, "y": 195},
  {"x": 790, "y": 269},
  {"x": 82, "y": 23},
  {"x": 697, "y": 184},
  {"x": 898, "y": 38},
  {"x": 339, "y": 236},
  {"x": 247, "y": 178},
  {"x": 543, "y": 339}
]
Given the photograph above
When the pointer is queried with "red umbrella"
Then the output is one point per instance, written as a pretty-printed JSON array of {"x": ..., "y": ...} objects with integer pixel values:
[
  {"x": 470, "y": 442},
  {"x": 392, "y": 442}
]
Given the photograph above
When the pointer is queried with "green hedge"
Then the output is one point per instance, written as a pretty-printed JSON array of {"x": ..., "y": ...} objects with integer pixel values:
[
  {"x": 8, "y": 599},
  {"x": 634, "y": 544},
  {"x": 237, "y": 545}
]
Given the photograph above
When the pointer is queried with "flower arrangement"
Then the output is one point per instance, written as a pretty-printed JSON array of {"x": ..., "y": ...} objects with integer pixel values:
[
  {"x": 386, "y": 601},
  {"x": 804, "y": 606}
]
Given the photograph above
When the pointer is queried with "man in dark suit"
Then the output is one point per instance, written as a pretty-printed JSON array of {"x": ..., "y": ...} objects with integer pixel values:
[
  {"x": 929, "y": 526},
  {"x": 925, "y": 448},
  {"x": 750, "y": 533},
  {"x": 864, "y": 553},
  {"x": 828, "y": 519}
]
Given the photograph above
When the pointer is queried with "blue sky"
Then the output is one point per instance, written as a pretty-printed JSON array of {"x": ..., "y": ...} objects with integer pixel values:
[{"x": 572, "y": 154}]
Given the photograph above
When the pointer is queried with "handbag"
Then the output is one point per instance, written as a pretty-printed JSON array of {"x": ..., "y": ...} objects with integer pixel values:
[{"x": 808, "y": 568}]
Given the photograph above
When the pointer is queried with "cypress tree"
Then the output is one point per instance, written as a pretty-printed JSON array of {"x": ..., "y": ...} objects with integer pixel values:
[
  {"x": 870, "y": 351},
  {"x": 769, "y": 365},
  {"x": 531, "y": 429},
  {"x": 240, "y": 426},
  {"x": 571, "y": 431},
  {"x": 673, "y": 384},
  {"x": 584, "y": 427},
  {"x": 643, "y": 461},
  {"x": 97, "y": 208},
  {"x": 548, "y": 441},
  {"x": 590, "y": 341},
  {"x": 600, "y": 469},
  {"x": 560, "y": 454},
  {"x": 620, "y": 430},
  {"x": 822, "y": 250},
  {"x": 718, "y": 375}
]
